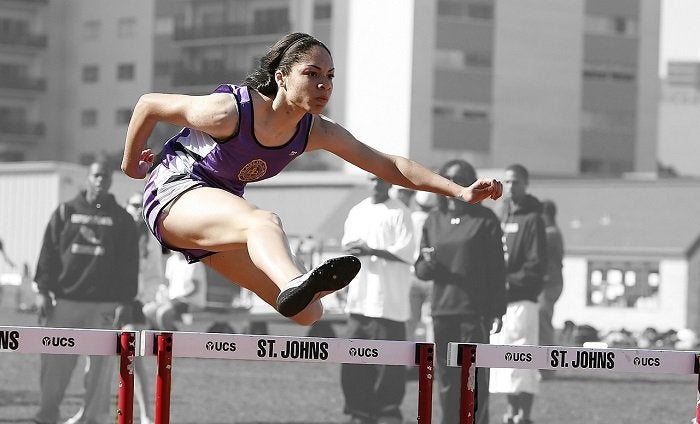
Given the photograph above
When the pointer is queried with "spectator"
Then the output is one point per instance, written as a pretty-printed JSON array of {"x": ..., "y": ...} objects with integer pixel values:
[
  {"x": 553, "y": 281},
  {"x": 462, "y": 252},
  {"x": 525, "y": 252},
  {"x": 378, "y": 230},
  {"x": 186, "y": 284},
  {"x": 88, "y": 265},
  {"x": 419, "y": 294}
]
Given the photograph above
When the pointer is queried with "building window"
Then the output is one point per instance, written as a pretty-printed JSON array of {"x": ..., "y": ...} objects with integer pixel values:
[
  {"x": 602, "y": 72},
  {"x": 271, "y": 21},
  {"x": 449, "y": 59},
  {"x": 126, "y": 27},
  {"x": 12, "y": 156},
  {"x": 12, "y": 114},
  {"x": 91, "y": 73},
  {"x": 13, "y": 28},
  {"x": 611, "y": 25},
  {"x": 443, "y": 111},
  {"x": 633, "y": 285},
  {"x": 322, "y": 11},
  {"x": 88, "y": 118},
  {"x": 478, "y": 59},
  {"x": 482, "y": 10},
  {"x": 608, "y": 121},
  {"x": 474, "y": 115},
  {"x": 91, "y": 30},
  {"x": 163, "y": 68},
  {"x": 462, "y": 112},
  {"x": 165, "y": 25},
  {"x": 123, "y": 116},
  {"x": 125, "y": 72}
]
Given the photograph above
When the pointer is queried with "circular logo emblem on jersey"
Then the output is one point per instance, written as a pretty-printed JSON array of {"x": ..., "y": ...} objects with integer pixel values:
[{"x": 253, "y": 170}]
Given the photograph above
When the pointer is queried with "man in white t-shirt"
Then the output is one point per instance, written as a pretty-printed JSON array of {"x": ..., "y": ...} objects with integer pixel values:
[
  {"x": 379, "y": 231},
  {"x": 185, "y": 290}
]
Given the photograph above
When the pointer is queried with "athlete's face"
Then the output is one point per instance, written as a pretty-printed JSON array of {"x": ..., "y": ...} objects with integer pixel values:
[{"x": 309, "y": 84}]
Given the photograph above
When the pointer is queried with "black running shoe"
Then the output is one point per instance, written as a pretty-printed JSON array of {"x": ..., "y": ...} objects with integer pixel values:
[{"x": 332, "y": 275}]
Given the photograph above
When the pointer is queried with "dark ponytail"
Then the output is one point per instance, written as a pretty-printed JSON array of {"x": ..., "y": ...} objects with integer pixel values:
[{"x": 282, "y": 55}]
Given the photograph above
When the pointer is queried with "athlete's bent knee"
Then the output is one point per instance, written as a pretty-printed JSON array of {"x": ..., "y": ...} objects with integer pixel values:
[{"x": 264, "y": 217}]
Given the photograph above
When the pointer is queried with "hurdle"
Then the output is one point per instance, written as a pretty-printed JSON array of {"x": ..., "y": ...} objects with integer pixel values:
[
  {"x": 166, "y": 345},
  {"x": 77, "y": 341},
  {"x": 470, "y": 356}
]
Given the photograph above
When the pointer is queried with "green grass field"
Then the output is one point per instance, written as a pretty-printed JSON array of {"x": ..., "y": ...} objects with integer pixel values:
[{"x": 246, "y": 392}]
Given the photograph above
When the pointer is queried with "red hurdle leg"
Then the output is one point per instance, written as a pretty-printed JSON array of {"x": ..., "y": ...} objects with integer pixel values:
[
  {"x": 467, "y": 359},
  {"x": 127, "y": 351},
  {"x": 697, "y": 393},
  {"x": 164, "y": 346},
  {"x": 426, "y": 373}
]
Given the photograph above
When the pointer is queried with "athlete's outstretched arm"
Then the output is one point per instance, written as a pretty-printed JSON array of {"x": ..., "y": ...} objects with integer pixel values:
[
  {"x": 215, "y": 114},
  {"x": 398, "y": 170}
]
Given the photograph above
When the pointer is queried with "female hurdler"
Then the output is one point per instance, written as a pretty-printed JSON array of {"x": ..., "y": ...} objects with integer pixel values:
[{"x": 193, "y": 199}]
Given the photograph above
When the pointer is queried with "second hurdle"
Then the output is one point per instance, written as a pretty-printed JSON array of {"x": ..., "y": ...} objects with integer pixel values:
[
  {"x": 166, "y": 345},
  {"x": 469, "y": 356}
]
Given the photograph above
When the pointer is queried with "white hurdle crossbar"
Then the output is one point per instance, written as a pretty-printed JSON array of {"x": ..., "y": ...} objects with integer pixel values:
[
  {"x": 78, "y": 341},
  {"x": 469, "y": 356},
  {"x": 166, "y": 345}
]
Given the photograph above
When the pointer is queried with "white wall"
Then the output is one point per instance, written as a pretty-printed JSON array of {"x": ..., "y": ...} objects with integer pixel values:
[
  {"x": 378, "y": 77},
  {"x": 647, "y": 86}
]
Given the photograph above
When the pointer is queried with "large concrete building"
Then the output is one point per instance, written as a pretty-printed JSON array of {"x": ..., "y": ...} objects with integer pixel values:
[
  {"x": 563, "y": 87},
  {"x": 23, "y": 70},
  {"x": 679, "y": 119},
  {"x": 100, "y": 61}
]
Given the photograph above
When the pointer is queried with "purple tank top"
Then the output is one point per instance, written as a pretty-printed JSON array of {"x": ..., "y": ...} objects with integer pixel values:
[{"x": 232, "y": 163}]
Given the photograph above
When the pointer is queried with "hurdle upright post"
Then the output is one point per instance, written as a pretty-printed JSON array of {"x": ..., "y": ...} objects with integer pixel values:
[
  {"x": 697, "y": 393},
  {"x": 127, "y": 350},
  {"x": 164, "y": 352},
  {"x": 467, "y": 359},
  {"x": 426, "y": 373}
]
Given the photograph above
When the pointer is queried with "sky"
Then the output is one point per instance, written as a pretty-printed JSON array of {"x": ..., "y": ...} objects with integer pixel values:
[{"x": 680, "y": 31}]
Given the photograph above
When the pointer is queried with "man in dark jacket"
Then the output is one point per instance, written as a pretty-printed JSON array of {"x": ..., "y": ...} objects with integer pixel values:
[
  {"x": 88, "y": 265},
  {"x": 463, "y": 255},
  {"x": 525, "y": 252}
]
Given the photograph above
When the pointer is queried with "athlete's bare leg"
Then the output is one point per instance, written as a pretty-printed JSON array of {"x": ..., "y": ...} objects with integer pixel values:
[
  {"x": 218, "y": 221},
  {"x": 237, "y": 267}
]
